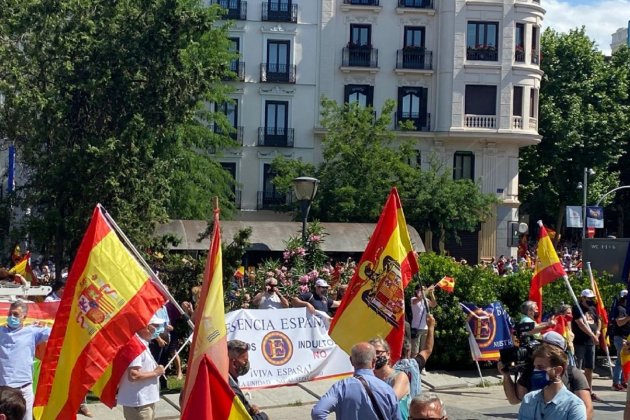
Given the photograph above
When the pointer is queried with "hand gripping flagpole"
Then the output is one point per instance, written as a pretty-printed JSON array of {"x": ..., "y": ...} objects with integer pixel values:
[
  {"x": 144, "y": 264},
  {"x": 590, "y": 275},
  {"x": 170, "y": 362}
]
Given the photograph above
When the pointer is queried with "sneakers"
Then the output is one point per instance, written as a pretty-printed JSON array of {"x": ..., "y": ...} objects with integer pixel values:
[
  {"x": 595, "y": 398},
  {"x": 618, "y": 387},
  {"x": 625, "y": 385},
  {"x": 85, "y": 411}
]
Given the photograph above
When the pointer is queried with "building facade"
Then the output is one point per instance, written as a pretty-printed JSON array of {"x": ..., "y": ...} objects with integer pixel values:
[
  {"x": 464, "y": 72},
  {"x": 619, "y": 38}
]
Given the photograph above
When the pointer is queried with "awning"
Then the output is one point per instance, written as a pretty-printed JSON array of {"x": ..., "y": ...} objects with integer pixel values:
[{"x": 271, "y": 236}]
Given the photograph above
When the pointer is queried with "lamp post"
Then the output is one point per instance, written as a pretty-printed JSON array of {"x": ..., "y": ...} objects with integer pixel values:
[
  {"x": 587, "y": 172},
  {"x": 305, "y": 190}
]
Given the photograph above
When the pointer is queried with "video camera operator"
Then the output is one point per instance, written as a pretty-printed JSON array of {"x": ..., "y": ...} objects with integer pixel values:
[{"x": 528, "y": 381}]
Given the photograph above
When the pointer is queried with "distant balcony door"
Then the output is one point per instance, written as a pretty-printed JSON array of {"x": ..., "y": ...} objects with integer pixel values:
[
  {"x": 360, "y": 94},
  {"x": 413, "y": 51},
  {"x": 230, "y": 109},
  {"x": 235, "y": 47},
  {"x": 412, "y": 106},
  {"x": 230, "y": 167},
  {"x": 278, "y": 8},
  {"x": 270, "y": 195},
  {"x": 360, "y": 35},
  {"x": 414, "y": 36},
  {"x": 278, "y": 60},
  {"x": 276, "y": 119}
]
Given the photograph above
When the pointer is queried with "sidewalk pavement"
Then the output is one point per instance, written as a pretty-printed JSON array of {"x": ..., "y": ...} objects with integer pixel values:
[{"x": 461, "y": 391}]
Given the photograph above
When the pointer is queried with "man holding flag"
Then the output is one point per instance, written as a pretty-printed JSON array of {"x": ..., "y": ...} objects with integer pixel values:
[{"x": 586, "y": 330}]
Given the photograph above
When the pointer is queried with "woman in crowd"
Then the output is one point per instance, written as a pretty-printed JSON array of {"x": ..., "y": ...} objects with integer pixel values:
[{"x": 397, "y": 380}]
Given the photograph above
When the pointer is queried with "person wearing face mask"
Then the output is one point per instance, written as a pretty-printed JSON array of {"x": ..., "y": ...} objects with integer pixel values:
[
  {"x": 572, "y": 377},
  {"x": 238, "y": 359},
  {"x": 530, "y": 313},
  {"x": 553, "y": 400},
  {"x": 139, "y": 388},
  {"x": 17, "y": 352},
  {"x": 398, "y": 380},
  {"x": 586, "y": 330}
]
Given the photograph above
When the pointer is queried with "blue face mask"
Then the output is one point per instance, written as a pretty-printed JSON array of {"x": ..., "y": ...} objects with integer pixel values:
[
  {"x": 13, "y": 322},
  {"x": 159, "y": 330},
  {"x": 539, "y": 380}
]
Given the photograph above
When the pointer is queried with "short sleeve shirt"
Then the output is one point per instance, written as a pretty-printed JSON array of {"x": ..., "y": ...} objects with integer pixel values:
[
  {"x": 591, "y": 320},
  {"x": 575, "y": 382},
  {"x": 17, "y": 352},
  {"x": 270, "y": 301},
  {"x": 624, "y": 330},
  {"x": 143, "y": 391},
  {"x": 321, "y": 303},
  {"x": 564, "y": 406}
]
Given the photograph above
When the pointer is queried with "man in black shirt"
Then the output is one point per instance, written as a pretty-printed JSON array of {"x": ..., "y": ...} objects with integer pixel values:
[
  {"x": 316, "y": 301},
  {"x": 621, "y": 329},
  {"x": 586, "y": 330},
  {"x": 238, "y": 358}
]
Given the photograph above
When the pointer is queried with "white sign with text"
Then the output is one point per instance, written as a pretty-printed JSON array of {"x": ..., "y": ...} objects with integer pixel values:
[{"x": 287, "y": 346}]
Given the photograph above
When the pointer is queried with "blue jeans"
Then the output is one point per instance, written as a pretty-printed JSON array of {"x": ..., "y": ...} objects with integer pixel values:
[{"x": 617, "y": 374}]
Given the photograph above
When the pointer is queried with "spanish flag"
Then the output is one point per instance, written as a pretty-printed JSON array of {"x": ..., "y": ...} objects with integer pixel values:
[
  {"x": 625, "y": 362},
  {"x": 374, "y": 303},
  {"x": 447, "y": 284},
  {"x": 23, "y": 268},
  {"x": 603, "y": 315},
  {"x": 108, "y": 297},
  {"x": 210, "y": 335},
  {"x": 548, "y": 267},
  {"x": 212, "y": 395}
]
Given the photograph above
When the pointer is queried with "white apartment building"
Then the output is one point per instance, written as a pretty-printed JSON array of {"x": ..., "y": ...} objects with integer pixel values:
[
  {"x": 466, "y": 72},
  {"x": 619, "y": 38}
]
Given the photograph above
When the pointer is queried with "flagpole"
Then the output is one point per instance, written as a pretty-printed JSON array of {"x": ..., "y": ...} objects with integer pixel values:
[
  {"x": 144, "y": 264},
  {"x": 177, "y": 354},
  {"x": 590, "y": 275}
]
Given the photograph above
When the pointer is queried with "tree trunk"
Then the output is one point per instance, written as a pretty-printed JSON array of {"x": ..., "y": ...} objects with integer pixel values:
[
  {"x": 428, "y": 240},
  {"x": 559, "y": 220},
  {"x": 442, "y": 241}
]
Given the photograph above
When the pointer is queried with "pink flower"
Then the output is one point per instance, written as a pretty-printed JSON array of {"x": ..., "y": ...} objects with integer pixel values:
[
  {"x": 300, "y": 251},
  {"x": 303, "y": 289},
  {"x": 325, "y": 271},
  {"x": 286, "y": 255},
  {"x": 313, "y": 274},
  {"x": 304, "y": 279},
  {"x": 284, "y": 268},
  {"x": 315, "y": 238}
]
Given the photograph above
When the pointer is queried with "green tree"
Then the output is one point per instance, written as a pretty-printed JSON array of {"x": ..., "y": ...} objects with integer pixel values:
[
  {"x": 105, "y": 103},
  {"x": 583, "y": 123}
]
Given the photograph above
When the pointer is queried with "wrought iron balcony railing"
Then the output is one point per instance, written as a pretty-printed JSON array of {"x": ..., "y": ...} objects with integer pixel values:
[
  {"x": 519, "y": 55},
  {"x": 279, "y": 11},
  {"x": 238, "y": 68},
  {"x": 277, "y": 73},
  {"x": 235, "y": 134},
  {"x": 421, "y": 122},
  {"x": 275, "y": 136},
  {"x": 236, "y": 9},
  {"x": 414, "y": 58},
  {"x": 482, "y": 54},
  {"x": 362, "y": 2},
  {"x": 416, "y": 4},
  {"x": 271, "y": 199},
  {"x": 361, "y": 56}
]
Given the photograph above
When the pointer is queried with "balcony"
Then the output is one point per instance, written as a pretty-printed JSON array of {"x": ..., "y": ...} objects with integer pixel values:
[
  {"x": 237, "y": 198},
  {"x": 236, "y": 9},
  {"x": 238, "y": 68},
  {"x": 416, "y": 4},
  {"x": 533, "y": 124},
  {"x": 414, "y": 59},
  {"x": 535, "y": 56},
  {"x": 362, "y": 2},
  {"x": 519, "y": 54},
  {"x": 236, "y": 134},
  {"x": 271, "y": 199},
  {"x": 275, "y": 11},
  {"x": 421, "y": 122},
  {"x": 277, "y": 73},
  {"x": 517, "y": 123},
  {"x": 362, "y": 56},
  {"x": 480, "y": 121},
  {"x": 482, "y": 54},
  {"x": 275, "y": 136}
]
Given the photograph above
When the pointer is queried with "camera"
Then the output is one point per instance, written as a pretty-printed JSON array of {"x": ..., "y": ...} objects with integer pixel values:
[{"x": 516, "y": 359}]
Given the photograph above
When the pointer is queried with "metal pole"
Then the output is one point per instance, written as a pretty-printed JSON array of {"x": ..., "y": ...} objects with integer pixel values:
[
  {"x": 144, "y": 264},
  {"x": 584, "y": 191},
  {"x": 590, "y": 275},
  {"x": 177, "y": 354},
  {"x": 305, "y": 206}
]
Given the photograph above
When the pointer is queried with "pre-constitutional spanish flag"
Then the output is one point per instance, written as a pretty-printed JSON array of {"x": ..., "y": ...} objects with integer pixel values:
[
  {"x": 210, "y": 335},
  {"x": 548, "y": 267},
  {"x": 108, "y": 297},
  {"x": 212, "y": 395},
  {"x": 374, "y": 302}
]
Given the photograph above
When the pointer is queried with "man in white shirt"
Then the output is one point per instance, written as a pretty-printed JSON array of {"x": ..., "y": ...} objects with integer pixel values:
[
  {"x": 419, "y": 329},
  {"x": 270, "y": 298},
  {"x": 139, "y": 388}
]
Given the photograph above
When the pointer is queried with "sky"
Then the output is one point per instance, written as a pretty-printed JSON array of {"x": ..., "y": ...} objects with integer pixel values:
[{"x": 600, "y": 17}]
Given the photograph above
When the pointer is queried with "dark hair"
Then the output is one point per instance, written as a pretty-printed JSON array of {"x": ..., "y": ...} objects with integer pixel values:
[
  {"x": 58, "y": 284},
  {"x": 236, "y": 348},
  {"x": 12, "y": 403},
  {"x": 556, "y": 356}
]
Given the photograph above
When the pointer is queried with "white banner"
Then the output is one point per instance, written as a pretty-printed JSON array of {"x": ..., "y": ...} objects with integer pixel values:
[
  {"x": 287, "y": 346},
  {"x": 574, "y": 216}
]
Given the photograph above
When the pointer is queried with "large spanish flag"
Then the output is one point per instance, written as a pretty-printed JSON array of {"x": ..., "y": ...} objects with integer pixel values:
[
  {"x": 212, "y": 395},
  {"x": 23, "y": 268},
  {"x": 374, "y": 304},
  {"x": 548, "y": 267},
  {"x": 108, "y": 297},
  {"x": 602, "y": 312},
  {"x": 210, "y": 335}
]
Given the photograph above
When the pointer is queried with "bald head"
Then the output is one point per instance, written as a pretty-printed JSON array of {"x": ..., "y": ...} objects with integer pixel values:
[{"x": 363, "y": 356}]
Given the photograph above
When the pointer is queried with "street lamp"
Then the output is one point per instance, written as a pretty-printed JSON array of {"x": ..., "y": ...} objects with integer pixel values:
[
  {"x": 587, "y": 172},
  {"x": 305, "y": 190}
]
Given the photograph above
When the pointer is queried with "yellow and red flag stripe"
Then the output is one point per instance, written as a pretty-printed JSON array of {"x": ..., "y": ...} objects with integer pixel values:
[
  {"x": 602, "y": 313},
  {"x": 23, "y": 268},
  {"x": 43, "y": 312},
  {"x": 374, "y": 302},
  {"x": 108, "y": 297},
  {"x": 447, "y": 284},
  {"x": 210, "y": 335},
  {"x": 211, "y": 394},
  {"x": 548, "y": 268}
]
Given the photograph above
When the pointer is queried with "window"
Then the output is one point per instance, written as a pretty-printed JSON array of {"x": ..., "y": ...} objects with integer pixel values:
[
  {"x": 230, "y": 109},
  {"x": 235, "y": 48},
  {"x": 415, "y": 159},
  {"x": 230, "y": 167},
  {"x": 481, "y": 100},
  {"x": 270, "y": 196},
  {"x": 278, "y": 59},
  {"x": 517, "y": 101},
  {"x": 464, "y": 165},
  {"x": 412, "y": 106},
  {"x": 414, "y": 36},
  {"x": 482, "y": 41},
  {"x": 361, "y": 94},
  {"x": 360, "y": 36},
  {"x": 535, "y": 51},
  {"x": 276, "y": 119},
  {"x": 519, "y": 43},
  {"x": 533, "y": 103}
]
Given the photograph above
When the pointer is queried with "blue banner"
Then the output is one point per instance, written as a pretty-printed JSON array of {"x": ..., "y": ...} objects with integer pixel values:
[
  {"x": 11, "y": 170},
  {"x": 488, "y": 330},
  {"x": 595, "y": 217}
]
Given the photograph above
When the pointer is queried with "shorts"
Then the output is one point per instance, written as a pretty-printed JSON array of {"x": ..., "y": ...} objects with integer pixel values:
[
  {"x": 145, "y": 412},
  {"x": 418, "y": 342},
  {"x": 585, "y": 356}
]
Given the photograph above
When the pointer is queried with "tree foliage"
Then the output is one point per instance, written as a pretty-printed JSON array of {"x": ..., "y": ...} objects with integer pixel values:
[
  {"x": 103, "y": 100},
  {"x": 363, "y": 159},
  {"x": 583, "y": 121}
]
